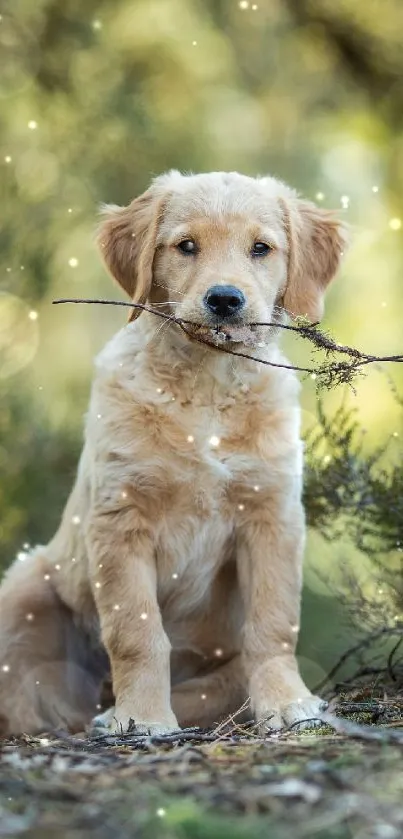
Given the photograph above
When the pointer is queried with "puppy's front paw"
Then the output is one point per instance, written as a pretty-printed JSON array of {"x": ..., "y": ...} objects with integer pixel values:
[
  {"x": 124, "y": 721},
  {"x": 145, "y": 727},
  {"x": 304, "y": 712},
  {"x": 119, "y": 722}
]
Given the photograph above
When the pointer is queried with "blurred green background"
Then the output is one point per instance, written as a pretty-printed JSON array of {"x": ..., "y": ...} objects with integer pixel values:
[{"x": 98, "y": 97}]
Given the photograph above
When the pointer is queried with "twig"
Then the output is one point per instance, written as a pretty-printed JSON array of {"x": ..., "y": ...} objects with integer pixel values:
[
  {"x": 231, "y": 719},
  {"x": 330, "y": 373}
]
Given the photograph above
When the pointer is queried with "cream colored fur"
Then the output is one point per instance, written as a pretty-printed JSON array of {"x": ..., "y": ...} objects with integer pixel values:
[{"x": 178, "y": 559}]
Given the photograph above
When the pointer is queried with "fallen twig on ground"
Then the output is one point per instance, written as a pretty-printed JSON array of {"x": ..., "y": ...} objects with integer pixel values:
[{"x": 363, "y": 732}]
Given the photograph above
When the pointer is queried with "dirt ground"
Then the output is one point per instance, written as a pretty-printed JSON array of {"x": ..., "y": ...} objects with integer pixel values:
[{"x": 342, "y": 780}]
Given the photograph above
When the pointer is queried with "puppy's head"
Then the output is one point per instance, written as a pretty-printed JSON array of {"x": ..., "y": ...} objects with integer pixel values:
[{"x": 223, "y": 252}]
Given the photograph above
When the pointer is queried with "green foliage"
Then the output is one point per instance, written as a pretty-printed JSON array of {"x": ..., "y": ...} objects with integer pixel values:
[
  {"x": 355, "y": 492},
  {"x": 347, "y": 486}
]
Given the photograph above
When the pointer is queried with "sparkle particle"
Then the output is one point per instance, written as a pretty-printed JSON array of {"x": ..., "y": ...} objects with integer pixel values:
[
  {"x": 32, "y": 124},
  {"x": 345, "y": 202},
  {"x": 29, "y": 616},
  {"x": 256, "y": 488},
  {"x": 6, "y": 668},
  {"x": 190, "y": 438},
  {"x": 33, "y": 315},
  {"x": 320, "y": 196},
  {"x": 123, "y": 494},
  {"x": 46, "y": 576},
  {"x": 175, "y": 576},
  {"x": 203, "y": 696},
  {"x": 97, "y": 585},
  {"x": 194, "y": 43},
  {"x": 116, "y": 607},
  {"x": 241, "y": 506},
  {"x": 395, "y": 223},
  {"x": 161, "y": 812},
  {"x": 243, "y": 4},
  {"x": 214, "y": 441},
  {"x": 22, "y": 555},
  {"x": 218, "y": 652},
  {"x": 8, "y": 159},
  {"x": 73, "y": 262},
  {"x": 76, "y": 520},
  {"x": 375, "y": 189},
  {"x": 144, "y": 616},
  {"x": 97, "y": 25}
]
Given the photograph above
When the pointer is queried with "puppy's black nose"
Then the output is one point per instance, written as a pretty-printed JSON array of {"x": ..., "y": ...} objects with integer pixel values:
[{"x": 224, "y": 300}]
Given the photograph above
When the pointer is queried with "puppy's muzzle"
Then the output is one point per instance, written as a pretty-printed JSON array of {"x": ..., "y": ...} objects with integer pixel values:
[{"x": 224, "y": 301}]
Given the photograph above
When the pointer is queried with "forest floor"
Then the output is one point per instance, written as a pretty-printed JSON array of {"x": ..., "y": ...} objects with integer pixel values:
[{"x": 340, "y": 781}]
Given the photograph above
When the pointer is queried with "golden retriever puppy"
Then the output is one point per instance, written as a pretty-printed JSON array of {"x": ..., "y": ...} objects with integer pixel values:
[{"x": 177, "y": 565}]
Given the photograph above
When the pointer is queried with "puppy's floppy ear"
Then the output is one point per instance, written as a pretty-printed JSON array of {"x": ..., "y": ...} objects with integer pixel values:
[
  {"x": 127, "y": 240},
  {"x": 316, "y": 242}
]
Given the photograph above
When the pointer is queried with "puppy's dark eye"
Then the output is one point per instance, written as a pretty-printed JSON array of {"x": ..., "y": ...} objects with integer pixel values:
[
  {"x": 261, "y": 249},
  {"x": 187, "y": 246}
]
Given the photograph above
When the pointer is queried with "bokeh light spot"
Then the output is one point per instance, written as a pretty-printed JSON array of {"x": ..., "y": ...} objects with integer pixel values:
[{"x": 19, "y": 335}]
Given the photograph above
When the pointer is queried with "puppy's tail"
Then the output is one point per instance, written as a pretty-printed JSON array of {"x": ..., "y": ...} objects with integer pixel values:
[{"x": 49, "y": 676}]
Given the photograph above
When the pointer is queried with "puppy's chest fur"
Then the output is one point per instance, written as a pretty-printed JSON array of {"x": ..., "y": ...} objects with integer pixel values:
[{"x": 201, "y": 453}]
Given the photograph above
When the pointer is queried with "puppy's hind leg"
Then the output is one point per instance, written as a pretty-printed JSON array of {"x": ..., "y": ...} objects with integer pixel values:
[
  {"x": 49, "y": 676},
  {"x": 206, "y": 700}
]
